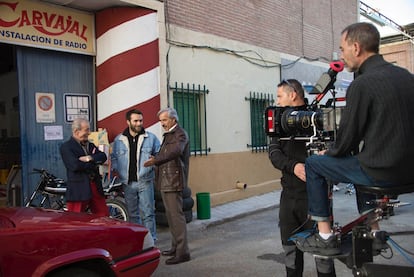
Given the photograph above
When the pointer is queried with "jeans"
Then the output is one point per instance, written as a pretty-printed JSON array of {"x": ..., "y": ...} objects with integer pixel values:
[
  {"x": 320, "y": 168},
  {"x": 139, "y": 197},
  {"x": 292, "y": 215}
]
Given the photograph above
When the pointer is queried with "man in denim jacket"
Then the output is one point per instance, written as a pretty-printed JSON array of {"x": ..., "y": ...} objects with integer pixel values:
[{"x": 129, "y": 151}]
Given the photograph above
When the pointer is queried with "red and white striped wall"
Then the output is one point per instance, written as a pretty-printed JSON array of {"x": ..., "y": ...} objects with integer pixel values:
[{"x": 127, "y": 67}]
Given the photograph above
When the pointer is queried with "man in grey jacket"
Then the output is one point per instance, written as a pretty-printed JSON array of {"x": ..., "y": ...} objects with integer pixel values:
[
  {"x": 130, "y": 150},
  {"x": 171, "y": 176}
]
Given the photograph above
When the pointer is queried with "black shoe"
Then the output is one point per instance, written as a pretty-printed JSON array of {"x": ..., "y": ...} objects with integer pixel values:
[
  {"x": 170, "y": 252},
  {"x": 315, "y": 244},
  {"x": 178, "y": 259}
]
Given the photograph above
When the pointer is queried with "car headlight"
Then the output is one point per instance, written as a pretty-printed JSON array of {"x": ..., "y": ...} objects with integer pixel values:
[{"x": 148, "y": 241}]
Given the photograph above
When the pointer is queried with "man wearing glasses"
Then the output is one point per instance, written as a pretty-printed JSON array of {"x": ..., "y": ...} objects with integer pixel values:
[{"x": 289, "y": 157}]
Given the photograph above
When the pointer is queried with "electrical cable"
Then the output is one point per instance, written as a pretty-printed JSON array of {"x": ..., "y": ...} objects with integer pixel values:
[{"x": 402, "y": 251}]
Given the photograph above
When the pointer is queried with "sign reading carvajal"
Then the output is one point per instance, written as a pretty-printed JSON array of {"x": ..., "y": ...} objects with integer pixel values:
[{"x": 36, "y": 24}]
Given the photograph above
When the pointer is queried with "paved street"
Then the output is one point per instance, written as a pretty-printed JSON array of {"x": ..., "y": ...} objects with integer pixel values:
[{"x": 248, "y": 243}]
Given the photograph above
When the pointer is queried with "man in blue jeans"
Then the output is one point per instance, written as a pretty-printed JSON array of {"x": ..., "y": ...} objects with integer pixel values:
[
  {"x": 374, "y": 144},
  {"x": 130, "y": 150}
]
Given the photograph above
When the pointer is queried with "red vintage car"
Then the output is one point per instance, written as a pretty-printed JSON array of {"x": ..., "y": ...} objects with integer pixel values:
[{"x": 39, "y": 242}]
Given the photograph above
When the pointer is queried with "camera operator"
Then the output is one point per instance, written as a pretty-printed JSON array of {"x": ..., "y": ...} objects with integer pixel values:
[
  {"x": 289, "y": 157},
  {"x": 378, "y": 120}
]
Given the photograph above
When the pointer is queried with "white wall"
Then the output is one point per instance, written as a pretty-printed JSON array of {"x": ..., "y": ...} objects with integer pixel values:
[{"x": 229, "y": 80}]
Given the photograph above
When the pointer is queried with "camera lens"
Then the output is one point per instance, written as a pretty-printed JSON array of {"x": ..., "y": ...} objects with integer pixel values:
[{"x": 300, "y": 123}]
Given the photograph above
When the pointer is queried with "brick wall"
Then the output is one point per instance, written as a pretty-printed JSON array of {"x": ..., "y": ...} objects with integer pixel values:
[
  {"x": 399, "y": 53},
  {"x": 308, "y": 28}
]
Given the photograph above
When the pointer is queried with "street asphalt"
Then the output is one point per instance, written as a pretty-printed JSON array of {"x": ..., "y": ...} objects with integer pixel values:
[
  {"x": 343, "y": 201},
  {"x": 236, "y": 209},
  {"x": 344, "y": 210}
]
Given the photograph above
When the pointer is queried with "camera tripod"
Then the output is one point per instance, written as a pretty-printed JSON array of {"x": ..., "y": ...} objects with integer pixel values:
[{"x": 356, "y": 239}]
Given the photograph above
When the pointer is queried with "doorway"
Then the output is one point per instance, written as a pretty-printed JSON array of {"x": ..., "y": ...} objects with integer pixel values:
[
  {"x": 10, "y": 150},
  {"x": 25, "y": 140}
]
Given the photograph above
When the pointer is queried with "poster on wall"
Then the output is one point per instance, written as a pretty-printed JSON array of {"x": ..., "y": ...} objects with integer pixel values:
[
  {"x": 45, "y": 107},
  {"x": 77, "y": 105}
]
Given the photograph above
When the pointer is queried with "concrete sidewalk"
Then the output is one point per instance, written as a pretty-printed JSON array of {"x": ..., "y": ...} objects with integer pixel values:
[
  {"x": 344, "y": 208},
  {"x": 236, "y": 209}
]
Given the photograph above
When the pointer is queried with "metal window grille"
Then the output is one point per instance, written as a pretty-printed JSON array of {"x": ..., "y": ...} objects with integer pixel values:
[
  {"x": 190, "y": 104},
  {"x": 258, "y": 104}
]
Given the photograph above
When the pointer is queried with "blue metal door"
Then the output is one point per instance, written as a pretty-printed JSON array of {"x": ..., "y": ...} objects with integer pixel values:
[{"x": 50, "y": 73}]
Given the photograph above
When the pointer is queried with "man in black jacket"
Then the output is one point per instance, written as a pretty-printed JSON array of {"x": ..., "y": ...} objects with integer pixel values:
[
  {"x": 81, "y": 159},
  {"x": 289, "y": 157},
  {"x": 378, "y": 120}
]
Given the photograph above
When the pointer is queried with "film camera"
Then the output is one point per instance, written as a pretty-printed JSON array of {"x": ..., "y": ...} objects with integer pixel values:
[
  {"x": 291, "y": 122},
  {"x": 315, "y": 124}
]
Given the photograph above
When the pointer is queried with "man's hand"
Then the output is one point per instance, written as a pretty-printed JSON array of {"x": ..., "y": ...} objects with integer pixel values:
[
  {"x": 322, "y": 152},
  {"x": 85, "y": 159},
  {"x": 149, "y": 162},
  {"x": 299, "y": 171}
]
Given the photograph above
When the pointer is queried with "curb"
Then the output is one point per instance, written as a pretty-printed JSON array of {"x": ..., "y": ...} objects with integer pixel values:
[
  {"x": 200, "y": 224},
  {"x": 236, "y": 210}
]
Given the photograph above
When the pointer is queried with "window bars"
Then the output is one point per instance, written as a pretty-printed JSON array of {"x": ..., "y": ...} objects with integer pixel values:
[
  {"x": 190, "y": 104},
  {"x": 258, "y": 104}
]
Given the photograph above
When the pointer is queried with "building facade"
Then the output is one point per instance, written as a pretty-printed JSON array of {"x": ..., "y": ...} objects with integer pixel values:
[
  {"x": 218, "y": 64},
  {"x": 398, "y": 49}
]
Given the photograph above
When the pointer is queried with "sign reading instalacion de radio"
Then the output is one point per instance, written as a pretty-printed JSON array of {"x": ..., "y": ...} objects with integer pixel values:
[{"x": 36, "y": 24}]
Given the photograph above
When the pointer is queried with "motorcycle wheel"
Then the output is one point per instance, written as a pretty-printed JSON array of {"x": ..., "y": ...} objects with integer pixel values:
[{"x": 117, "y": 209}]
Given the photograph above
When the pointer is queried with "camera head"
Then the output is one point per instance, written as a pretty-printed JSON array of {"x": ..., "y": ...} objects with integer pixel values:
[
  {"x": 313, "y": 122},
  {"x": 299, "y": 123}
]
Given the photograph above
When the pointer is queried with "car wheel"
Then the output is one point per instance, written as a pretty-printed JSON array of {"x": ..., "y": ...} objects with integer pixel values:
[
  {"x": 78, "y": 272},
  {"x": 117, "y": 209}
]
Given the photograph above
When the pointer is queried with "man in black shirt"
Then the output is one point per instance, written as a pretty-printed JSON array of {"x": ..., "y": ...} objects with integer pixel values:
[
  {"x": 377, "y": 120},
  {"x": 289, "y": 157}
]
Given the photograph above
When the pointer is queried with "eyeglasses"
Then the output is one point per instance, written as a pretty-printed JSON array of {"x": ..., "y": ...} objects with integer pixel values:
[{"x": 284, "y": 81}]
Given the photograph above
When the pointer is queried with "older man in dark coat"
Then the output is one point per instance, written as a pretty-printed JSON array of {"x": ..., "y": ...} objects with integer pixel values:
[
  {"x": 171, "y": 175},
  {"x": 83, "y": 179}
]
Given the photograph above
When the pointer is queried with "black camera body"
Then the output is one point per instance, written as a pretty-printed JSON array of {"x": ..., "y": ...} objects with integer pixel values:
[
  {"x": 301, "y": 124},
  {"x": 315, "y": 124}
]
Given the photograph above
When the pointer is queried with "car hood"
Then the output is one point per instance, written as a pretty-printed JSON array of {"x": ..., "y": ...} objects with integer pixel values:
[
  {"x": 73, "y": 230},
  {"x": 35, "y": 239},
  {"x": 43, "y": 218}
]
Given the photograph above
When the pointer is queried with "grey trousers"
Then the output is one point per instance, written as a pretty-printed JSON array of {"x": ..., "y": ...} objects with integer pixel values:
[{"x": 173, "y": 203}]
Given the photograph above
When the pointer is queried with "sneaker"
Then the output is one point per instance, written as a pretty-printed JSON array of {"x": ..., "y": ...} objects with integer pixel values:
[{"x": 315, "y": 244}]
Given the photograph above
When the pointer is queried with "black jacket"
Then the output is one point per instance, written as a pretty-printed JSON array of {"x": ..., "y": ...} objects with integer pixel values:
[
  {"x": 284, "y": 155},
  {"x": 79, "y": 174},
  {"x": 379, "y": 113}
]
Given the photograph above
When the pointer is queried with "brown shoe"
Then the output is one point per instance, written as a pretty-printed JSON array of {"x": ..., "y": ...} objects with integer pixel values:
[
  {"x": 170, "y": 252},
  {"x": 178, "y": 259}
]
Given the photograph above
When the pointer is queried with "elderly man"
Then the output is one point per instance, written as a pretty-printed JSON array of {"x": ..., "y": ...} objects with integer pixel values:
[
  {"x": 171, "y": 177},
  {"x": 81, "y": 159}
]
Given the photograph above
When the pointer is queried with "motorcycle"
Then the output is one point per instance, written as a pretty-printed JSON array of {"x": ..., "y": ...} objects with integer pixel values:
[{"x": 50, "y": 193}]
